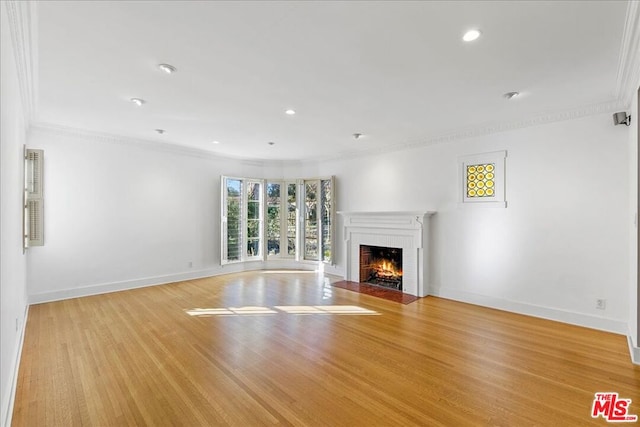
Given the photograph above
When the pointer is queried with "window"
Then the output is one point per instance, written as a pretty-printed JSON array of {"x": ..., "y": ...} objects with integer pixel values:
[
  {"x": 241, "y": 223},
  {"x": 318, "y": 219},
  {"x": 292, "y": 219},
  {"x": 261, "y": 219},
  {"x": 254, "y": 219},
  {"x": 311, "y": 220},
  {"x": 281, "y": 219},
  {"x": 232, "y": 219},
  {"x": 274, "y": 218}
]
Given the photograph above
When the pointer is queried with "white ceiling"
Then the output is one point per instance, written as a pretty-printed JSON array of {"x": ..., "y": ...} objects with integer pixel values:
[{"x": 397, "y": 72}]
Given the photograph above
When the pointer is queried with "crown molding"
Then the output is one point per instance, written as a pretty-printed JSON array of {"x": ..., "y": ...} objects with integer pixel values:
[
  {"x": 490, "y": 128},
  {"x": 448, "y": 137},
  {"x": 167, "y": 147},
  {"x": 22, "y": 19},
  {"x": 628, "y": 76}
]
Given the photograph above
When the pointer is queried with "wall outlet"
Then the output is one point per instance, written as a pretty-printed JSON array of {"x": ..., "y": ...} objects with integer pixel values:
[{"x": 601, "y": 304}]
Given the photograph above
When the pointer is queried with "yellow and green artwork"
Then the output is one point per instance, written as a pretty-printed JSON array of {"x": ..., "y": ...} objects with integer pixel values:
[{"x": 481, "y": 180}]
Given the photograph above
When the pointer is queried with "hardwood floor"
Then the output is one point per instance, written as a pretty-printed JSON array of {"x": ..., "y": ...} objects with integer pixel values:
[{"x": 235, "y": 350}]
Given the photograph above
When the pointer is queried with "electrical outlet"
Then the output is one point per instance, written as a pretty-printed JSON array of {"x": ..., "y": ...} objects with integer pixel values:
[{"x": 601, "y": 304}]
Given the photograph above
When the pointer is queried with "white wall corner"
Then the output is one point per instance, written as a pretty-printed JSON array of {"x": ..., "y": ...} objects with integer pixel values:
[{"x": 7, "y": 411}]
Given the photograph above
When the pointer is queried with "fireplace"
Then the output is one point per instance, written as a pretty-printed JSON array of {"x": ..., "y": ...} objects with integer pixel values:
[
  {"x": 381, "y": 266},
  {"x": 406, "y": 233}
]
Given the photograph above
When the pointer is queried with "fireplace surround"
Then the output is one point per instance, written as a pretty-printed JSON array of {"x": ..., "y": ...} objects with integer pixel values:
[{"x": 408, "y": 231}]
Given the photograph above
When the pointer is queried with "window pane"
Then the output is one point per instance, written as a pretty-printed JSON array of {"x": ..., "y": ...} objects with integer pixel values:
[
  {"x": 291, "y": 219},
  {"x": 325, "y": 209},
  {"x": 253, "y": 219},
  {"x": 273, "y": 219},
  {"x": 311, "y": 221},
  {"x": 234, "y": 219}
]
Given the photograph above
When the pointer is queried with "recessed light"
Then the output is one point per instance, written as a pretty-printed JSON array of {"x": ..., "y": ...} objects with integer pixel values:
[
  {"x": 271, "y": 143},
  {"x": 471, "y": 35},
  {"x": 357, "y": 135},
  {"x": 160, "y": 131},
  {"x": 167, "y": 68},
  {"x": 138, "y": 101},
  {"x": 215, "y": 142},
  {"x": 511, "y": 95},
  {"x": 290, "y": 112}
]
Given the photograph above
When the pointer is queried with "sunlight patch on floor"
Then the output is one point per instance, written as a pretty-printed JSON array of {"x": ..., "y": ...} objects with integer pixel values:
[{"x": 286, "y": 309}]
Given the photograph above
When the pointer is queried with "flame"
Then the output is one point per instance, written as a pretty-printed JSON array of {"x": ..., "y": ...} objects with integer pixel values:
[{"x": 388, "y": 269}]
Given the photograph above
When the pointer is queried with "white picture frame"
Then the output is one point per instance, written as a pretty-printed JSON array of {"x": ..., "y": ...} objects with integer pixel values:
[{"x": 482, "y": 179}]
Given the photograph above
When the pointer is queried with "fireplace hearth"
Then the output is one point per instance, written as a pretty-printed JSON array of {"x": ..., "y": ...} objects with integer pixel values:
[{"x": 381, "y": 266}]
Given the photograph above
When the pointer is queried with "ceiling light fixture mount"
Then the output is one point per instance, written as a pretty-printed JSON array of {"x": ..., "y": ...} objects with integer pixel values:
[
  {"x": 167, "y": 68},
  {"x": 511, "y": 95},
  {"x": 138, "y": 101},
  {"x": 471, "y": 35}
]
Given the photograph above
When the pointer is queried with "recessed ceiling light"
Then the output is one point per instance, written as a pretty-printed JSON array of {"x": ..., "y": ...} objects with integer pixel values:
[
  {"x": 160, "y": 131},
  {"x": 215, "y": 142},
  {"x": 138, "y": 101},
  {"x": 357, "y": 135},
  {"x": 271, "y": 143},
  {"x": 290, "y": 112},
  {"x": 471, "y": 35},
  {"x": 510, "y": 95},
  {"x": 167, "y": 68}
]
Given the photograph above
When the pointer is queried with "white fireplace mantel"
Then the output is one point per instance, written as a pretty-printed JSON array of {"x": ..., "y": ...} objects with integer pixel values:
[{"x": 408, "y": 230}]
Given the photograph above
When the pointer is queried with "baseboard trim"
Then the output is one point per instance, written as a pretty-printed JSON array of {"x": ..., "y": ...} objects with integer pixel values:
[
  {"x": 104, "y": 288},
  {"x": 633, "y": 350},
  {"x": 7, "y": 412},
  {"x": 579, "y": 319}
]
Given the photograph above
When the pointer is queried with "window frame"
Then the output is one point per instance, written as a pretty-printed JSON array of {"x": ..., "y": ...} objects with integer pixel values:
[
  {"x": 321, "y": 227},
  {"x": 300, "y": 223},
  {"x": 244, "y": 221},
  {"x": 284, "y": 226}
]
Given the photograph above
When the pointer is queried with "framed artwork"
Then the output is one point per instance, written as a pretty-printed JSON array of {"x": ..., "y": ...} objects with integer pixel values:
[{"x": 482, "y": 178}]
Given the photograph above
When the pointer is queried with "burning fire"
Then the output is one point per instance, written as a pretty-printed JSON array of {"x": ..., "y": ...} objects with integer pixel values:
[{"x": 387, "y": 269}]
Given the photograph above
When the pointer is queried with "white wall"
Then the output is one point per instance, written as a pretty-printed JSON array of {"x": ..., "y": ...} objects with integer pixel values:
[
  {"x": 12, "y": 261},
  {"x": 120, "y": 214},
  {"x": 561, "y": 243}
]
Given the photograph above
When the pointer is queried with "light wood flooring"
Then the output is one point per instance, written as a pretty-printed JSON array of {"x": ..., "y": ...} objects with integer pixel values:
[{"x": 286, "y": 348}]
